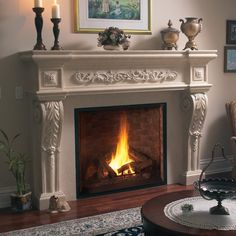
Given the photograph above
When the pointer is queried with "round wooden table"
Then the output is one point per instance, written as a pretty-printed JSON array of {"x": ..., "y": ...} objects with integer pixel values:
[{"x": 155, "y": 222}]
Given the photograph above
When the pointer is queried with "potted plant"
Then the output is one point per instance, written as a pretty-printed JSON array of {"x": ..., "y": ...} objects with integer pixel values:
[
  {"x": 20, "y": 200},
  {"x": 111, "y": 39}
]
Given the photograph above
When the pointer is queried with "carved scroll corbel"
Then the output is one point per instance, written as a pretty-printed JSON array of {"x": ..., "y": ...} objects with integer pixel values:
[
  {"x": 51, "y": 126},
  {"x": 199, "y": 104}
]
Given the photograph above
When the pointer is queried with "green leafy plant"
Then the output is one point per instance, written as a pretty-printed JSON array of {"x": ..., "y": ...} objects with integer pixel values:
[{"x": 16, "y": 161}]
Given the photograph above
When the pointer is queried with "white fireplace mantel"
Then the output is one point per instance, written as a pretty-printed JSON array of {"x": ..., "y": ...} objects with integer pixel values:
[
  {"x": 82, "y": 72},
  {"x": 55, "y": 75}
]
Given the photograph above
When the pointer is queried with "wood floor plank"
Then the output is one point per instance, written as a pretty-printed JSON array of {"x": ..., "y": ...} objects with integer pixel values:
[{"x": 84, "y": 207}]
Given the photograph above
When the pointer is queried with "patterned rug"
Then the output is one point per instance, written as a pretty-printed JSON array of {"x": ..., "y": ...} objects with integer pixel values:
[{"x": 122, "y": 223}]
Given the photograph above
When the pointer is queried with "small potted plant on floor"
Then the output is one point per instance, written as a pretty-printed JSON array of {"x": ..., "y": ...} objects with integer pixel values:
[{"x": 21, "y": 199}]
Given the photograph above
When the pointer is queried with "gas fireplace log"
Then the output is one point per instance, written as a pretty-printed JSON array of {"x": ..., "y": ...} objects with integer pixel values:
[
  {"x": 142, "y": 161},
  {"x": 100, "y": 174},
  {"x": 137, "y": 155},
  {"x": 99, "y": 170},
  {"x": 137, "y": 167},
  {"x": 126, "y": 167},
  {"x": 143, "y": 165},
  {"x": 111, "y": 172},
  {"x": 91, "y": 171},
  {"x": 122, "y": 181}
]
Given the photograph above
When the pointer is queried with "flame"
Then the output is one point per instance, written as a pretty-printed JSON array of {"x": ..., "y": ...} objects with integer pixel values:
[{"x": 121, "y": 157}]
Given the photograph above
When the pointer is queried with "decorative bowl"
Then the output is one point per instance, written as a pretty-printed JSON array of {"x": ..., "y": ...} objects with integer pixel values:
[{"x": 216, "y": 188}]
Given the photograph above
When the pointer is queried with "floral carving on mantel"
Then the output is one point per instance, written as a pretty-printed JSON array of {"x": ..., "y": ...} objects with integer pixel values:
[
  {"x": 198, "y": 73},
  {"x": 50, "y": 79},
  {"x": 134, "y": 76}
]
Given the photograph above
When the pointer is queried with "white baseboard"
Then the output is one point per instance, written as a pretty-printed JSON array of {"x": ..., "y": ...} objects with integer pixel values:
[
  {"x": 5, "y": 193},
  {"x": 219, "y": 165}
]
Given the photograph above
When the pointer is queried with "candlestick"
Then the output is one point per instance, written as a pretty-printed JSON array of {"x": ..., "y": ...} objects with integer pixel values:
[
  {"x": 39, "y": 25},
  {"x": 56, "y": 32},
  {"x": 38, "y": 3},
  {"x": 56, "y": 11}
]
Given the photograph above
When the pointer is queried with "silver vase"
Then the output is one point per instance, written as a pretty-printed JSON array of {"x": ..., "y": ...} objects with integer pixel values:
[{"x": 191, "y": 28}]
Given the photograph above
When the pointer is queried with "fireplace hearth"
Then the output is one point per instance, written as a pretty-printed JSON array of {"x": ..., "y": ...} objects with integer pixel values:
[
  {"x": 120, "y": 148},
  {"x": 60, "y": 81}
]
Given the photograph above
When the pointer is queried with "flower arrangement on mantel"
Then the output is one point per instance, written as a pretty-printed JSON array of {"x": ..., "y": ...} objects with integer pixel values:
[{"x": 112, "y": 38}]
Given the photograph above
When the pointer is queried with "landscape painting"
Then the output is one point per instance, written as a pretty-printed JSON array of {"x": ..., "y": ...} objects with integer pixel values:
[
  {"x": 114, "y": 9},
  {"x": 93, "y": 16}
]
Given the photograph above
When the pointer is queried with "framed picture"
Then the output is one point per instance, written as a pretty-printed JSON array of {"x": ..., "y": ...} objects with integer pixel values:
[
  {"x": 132, "y": 16},
  {"x": 230, "y": 59},
  {"x": 231, "y": 31}
]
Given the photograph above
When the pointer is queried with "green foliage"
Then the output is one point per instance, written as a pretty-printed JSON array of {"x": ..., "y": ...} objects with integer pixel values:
[{"x": 16, "y": 161}]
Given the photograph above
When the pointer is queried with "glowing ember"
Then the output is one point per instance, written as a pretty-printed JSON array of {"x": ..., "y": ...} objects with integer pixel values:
[{"x": 121, "y": 157}]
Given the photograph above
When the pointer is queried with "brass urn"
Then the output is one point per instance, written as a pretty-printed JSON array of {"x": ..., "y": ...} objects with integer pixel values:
[
  {"x": 191, "y": 28},
  {"x": 169, "y": 37}
]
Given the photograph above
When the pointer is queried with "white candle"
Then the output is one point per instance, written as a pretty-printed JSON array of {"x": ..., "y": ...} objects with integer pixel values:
[
  {"x": 56, "y": 10},
  {"x": 38, "y": 3}
]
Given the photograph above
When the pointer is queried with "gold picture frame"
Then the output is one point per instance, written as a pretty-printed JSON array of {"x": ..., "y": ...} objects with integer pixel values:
[{"x": 118, "y": 14}]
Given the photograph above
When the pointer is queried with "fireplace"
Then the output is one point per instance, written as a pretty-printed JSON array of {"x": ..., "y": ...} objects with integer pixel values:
[
  {"x": 59, "y": 82},
  {"x": 120, "y": 148}
]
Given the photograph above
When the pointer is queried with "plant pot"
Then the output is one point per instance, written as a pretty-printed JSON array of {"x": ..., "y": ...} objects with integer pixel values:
[
  {"x": 20, "y": 203},
  {"x": 112, "y": 47}
]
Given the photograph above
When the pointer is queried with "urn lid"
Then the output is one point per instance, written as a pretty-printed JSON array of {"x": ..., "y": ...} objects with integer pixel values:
[{"x": 170, "y": 29}]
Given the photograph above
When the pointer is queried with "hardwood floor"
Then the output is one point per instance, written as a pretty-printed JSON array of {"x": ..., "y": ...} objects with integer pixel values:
[{"x": 84, "y": 207}]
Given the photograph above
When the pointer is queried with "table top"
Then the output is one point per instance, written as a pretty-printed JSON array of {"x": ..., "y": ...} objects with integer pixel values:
[{"x": 154, "y": 219}]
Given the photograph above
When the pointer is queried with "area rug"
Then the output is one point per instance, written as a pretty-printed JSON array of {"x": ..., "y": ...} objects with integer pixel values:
[{"x": 125, "y": 222}]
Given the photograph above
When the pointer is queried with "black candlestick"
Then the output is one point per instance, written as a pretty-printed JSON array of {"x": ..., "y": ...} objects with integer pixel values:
[
  {"x": 39, "y": 25},
  {"x": 56, "y": 32}
]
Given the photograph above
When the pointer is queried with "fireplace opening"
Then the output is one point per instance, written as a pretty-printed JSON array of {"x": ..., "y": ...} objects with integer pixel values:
[{"x": 120, "y": 148}]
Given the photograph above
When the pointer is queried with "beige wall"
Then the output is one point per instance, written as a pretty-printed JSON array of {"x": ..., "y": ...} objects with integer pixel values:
[{"x": 17, "y": 33}]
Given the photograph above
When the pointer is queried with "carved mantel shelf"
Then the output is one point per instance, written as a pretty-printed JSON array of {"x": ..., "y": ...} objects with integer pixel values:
[
  {"x": 85, "y": 72},
  {"x": 55, "y": 75}
]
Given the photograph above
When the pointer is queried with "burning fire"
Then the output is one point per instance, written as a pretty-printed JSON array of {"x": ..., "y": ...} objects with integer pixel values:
[{"x": 121, "y": 157}]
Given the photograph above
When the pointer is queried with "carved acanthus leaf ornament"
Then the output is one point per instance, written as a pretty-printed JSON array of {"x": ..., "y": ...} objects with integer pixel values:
[
  {"x": 198, "y": 118},
  {"x": 52, "y": 115},
  {"x": 134, "y": 76}
]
